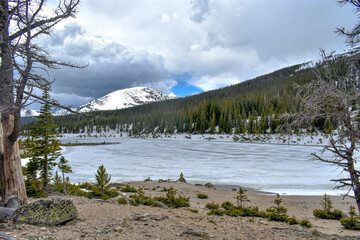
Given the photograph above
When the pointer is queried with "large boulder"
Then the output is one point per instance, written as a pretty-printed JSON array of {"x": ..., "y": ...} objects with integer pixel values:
[
  {"x": 46, "y": 212},
  {"x": 6, "y": 214},
  {"x": 13, "y": 203}
]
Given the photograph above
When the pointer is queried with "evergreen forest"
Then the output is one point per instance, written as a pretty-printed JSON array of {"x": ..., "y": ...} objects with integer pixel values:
[{"x": 254, "y": 107}]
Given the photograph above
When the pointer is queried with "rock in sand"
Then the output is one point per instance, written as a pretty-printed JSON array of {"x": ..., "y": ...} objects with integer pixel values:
[{"x": 46, "y": 212}]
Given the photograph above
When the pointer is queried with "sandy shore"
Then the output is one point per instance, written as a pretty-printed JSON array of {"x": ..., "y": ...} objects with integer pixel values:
[{"x": 100, "y": 219}]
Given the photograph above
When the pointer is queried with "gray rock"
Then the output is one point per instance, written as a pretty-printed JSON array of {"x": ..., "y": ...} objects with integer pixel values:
[
  {"x": 138, "y": 217},
  {"x": 13, "y": 203},
  {"x": 209, "y": 185},
  {"x": 301, "y": 229},
  {"x": 46, "y": 212},
  {"x": 182, "y": 180},
  {"x": 157, "y": 217},
  {"x": 159, "y": 204},
  {"x": 345, "y": 215},
  {"x": 6, "y": 213},
  {"x": 5, "y": 236},
  {"x": 196, "y": 233},
  {"x": 146, "y": 217}
]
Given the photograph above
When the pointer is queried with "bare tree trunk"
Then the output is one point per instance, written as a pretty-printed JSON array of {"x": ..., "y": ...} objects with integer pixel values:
[
  {"x": 10, "y": 166},
  {"x": 63, "y": 173},
  {"x": 45, "y": 174},
  {"x": 355, "y": 181}
]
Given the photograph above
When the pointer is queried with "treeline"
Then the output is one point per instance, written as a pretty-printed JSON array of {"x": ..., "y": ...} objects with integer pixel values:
[{"x": 253, "y": 106}]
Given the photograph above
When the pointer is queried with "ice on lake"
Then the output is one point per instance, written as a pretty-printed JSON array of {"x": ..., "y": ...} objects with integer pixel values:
[{"x": 285, "y": 169}]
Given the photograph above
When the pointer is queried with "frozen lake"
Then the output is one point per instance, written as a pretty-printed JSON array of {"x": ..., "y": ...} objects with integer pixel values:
[{"x": 285, "y": 169}]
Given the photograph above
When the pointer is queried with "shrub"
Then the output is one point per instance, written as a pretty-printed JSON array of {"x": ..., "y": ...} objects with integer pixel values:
[
  {"x": 292, "y": 221},
  {"x": 133, "y": 203},
  {"x": 326, "y": 212},
  {"x": 128, "y": 188},
  {"x": 87, "y": 186},
  {"x": 34, "y": 189},
  {"x": 336, "y": 214},
  {"x": 140, "y": 198},
  {"x": 164, "y": 189},
  {"x": 193, "y": 210},
  {"x": 122, "y": 201},
  {"x": 305, "y": 223},
  {"x": 350, "y": 223},
  {"x": 75, "y": 190},
  {"x": 148, "y": 179},
  {"x": 353, "y": 222},
  {"x": 171, "y": 200},
  {"x": 202, "y": 196},
  {"x": 227, "y": 205},
  {"x": 253, "y": 212},
  {"x": 277, "y": 213},
  {"x": 212, "y": 206},
  {"x": 216, "y": 212}
]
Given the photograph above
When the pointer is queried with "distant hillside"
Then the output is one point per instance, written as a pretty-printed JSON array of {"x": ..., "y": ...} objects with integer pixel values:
[{"x": 252, "y": 106}]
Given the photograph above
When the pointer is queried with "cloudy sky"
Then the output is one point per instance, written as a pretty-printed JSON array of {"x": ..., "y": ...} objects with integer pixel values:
[{"x": 188, "y": 46}]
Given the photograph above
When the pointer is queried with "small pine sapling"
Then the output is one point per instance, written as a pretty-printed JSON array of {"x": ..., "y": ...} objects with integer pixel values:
[
  {"x": 326, "y": 212},
  {"x": 57, "y": 178},
  {"x": 352, "y": 212},
  {"x": 351, "y": 223},
  {"x": 64, "y": 168},
  {"x": 278, "y": 212},
  {"x": 241, "y": 198},
  {"x": 326, "y": 203},
  {"x": 102, "y": 180},
  {"x": 181, "y": 175}
]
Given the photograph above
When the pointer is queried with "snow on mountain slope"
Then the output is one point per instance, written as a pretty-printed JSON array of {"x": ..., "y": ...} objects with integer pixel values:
[
  {"x": 124, "y": 98},
  {"x": 29, "y": 113}
]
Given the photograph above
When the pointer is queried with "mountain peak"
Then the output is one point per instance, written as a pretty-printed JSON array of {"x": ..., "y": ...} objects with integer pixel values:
[{"x": 124, "y": 98}]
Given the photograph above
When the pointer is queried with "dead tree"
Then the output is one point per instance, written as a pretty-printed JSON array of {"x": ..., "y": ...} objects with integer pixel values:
[
  {"x": 334, "y": 96},
  {"x": 23, "y": 68},
  {"x": 352, "y": 36}
]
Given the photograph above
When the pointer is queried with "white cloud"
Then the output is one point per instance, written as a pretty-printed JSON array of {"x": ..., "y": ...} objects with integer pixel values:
[
  {"x": 69, "y": 99},
  {"x": 163, "y": 86},
  {"x": 207, "y": 82},
  {"x": 112, "y": 66},
  {"x": 199, "y": 8},
  {"x": 165, "y": 18},
  {"x": 128, "y": 42}
]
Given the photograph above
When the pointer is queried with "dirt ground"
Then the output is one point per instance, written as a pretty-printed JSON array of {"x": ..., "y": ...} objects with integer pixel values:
[{"x": 100, "y": 219}]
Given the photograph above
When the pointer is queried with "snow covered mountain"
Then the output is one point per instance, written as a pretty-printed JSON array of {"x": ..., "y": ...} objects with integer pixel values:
[
  {"x": 29, "y": 113},
  {"x": 125, "y": 98}
]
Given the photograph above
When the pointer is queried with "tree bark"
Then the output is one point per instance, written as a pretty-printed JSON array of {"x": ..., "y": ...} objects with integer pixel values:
[
  {"x": 10, "y": 164},
  {"x": 63, "y": 173}
]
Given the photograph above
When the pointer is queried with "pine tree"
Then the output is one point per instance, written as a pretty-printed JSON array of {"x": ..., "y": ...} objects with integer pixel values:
[
  {"x": 64, "y": 168},
  {"x": 213, "y": 123},
  {"x": 102, "y": 180},
  {"x": 203, "y": 120},
  {"x": 44, "y": 148},
  {"x": 241, "y": 198}
]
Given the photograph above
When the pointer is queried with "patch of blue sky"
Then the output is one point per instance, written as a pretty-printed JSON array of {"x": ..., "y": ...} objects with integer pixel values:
[{"x": 184, "y": 87}]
